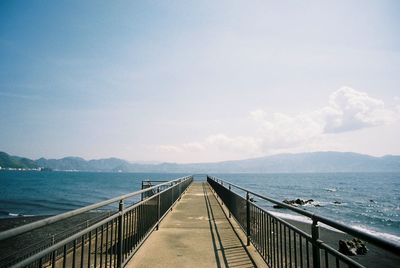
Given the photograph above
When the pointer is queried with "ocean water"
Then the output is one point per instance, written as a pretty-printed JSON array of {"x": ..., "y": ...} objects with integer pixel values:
[
  {"x": 368, "y": 201},
  {"x": 32, "y": 193}
]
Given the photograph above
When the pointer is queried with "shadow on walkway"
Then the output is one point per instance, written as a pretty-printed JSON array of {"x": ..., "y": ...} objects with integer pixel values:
[{"x": 229, "y": 249}]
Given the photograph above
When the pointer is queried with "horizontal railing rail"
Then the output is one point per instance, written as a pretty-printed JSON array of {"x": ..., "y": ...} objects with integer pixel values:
[
  {"x": 108, "y": 242},
  {"x": 279, "y": 242}
]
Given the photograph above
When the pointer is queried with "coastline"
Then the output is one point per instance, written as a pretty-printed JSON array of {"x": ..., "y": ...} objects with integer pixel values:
[
  {"x": 17, "y": 247},
  {"x": 375, "y": 257}
]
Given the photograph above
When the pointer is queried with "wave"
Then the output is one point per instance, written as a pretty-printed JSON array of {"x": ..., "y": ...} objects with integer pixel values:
[
  {"x": 365, "y": 229},
  {"x": 387, "y": 236},
  {"x": 330, "y": 189},
  {"x": 7, "y": 214}
]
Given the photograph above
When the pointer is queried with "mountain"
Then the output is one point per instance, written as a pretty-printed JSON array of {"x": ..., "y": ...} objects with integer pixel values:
[
  {"x": 9, "y": 161},
  {"x": 280, "y": 163},
  {"x": 306, "y": 162},
  {"x": 77, "y": 163}
]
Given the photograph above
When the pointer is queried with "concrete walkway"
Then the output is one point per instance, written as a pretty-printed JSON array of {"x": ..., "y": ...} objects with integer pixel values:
[{"x": 197, "y": 233}]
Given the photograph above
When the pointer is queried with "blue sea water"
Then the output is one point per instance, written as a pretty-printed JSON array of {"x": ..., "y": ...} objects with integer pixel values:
[
  {"x": 47, "y": 193},
  {"x": 369, "y": 201}
]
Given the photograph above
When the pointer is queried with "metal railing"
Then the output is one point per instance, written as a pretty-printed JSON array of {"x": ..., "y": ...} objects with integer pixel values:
[
  {"x": 150, "y": 183},
  {"x": 280, "y": 243},
  {"x": 110, "y": 241}
]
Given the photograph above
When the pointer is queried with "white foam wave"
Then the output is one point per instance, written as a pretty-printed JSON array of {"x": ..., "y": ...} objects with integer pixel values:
[
  {"x": 304, "y": 219},
  {"x": 330, "y": 189},
  {"x": 388, "y": 236}
]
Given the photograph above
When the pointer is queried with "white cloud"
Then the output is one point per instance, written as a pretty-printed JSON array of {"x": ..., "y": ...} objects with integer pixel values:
[
  {"x": 193, "y": 146},
  {"x": 350, "y": 110},
  {"x": 347, "y": 110},
  {"x": 170, "y": 149},
  {"x": 236, "y": 144}
]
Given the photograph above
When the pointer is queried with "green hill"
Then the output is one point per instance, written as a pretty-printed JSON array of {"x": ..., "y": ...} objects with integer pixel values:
[{"x": 9, "y": 161}]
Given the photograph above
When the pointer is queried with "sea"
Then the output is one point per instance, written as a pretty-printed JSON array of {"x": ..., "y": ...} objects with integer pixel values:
[{"x": 367, "y": 201}]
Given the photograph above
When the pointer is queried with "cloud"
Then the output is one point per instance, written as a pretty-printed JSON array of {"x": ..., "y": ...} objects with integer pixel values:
[
  {"x": 351, "y": 110},
  {"x": 236, "y": 144},
  {"x": 347, "y": 110},
  {"x": 170, "y": 149}
]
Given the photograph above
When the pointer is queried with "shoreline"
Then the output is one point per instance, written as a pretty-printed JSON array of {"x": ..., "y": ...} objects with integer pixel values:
[
  {"x": 17, "y": 247},
  {"x": 375, "y": 257}
]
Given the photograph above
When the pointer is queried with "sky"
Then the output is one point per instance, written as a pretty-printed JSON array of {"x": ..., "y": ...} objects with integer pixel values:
[{"x": 198, "y": 81}]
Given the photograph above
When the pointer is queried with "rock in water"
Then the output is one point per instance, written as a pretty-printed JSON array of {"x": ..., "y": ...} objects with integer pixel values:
[
  {"x": 298, "y": 202},
  {"x": 352, "y": 247}
]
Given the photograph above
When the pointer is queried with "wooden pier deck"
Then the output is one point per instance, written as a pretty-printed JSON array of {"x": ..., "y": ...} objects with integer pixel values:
[{"x": 197, "y": 233}]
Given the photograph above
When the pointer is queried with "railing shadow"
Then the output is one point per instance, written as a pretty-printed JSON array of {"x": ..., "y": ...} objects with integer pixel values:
[{"x": 228, "y": 247}]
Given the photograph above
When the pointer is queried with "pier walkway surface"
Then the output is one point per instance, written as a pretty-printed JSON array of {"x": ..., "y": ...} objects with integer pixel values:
[{"x": 197, "y": 233}]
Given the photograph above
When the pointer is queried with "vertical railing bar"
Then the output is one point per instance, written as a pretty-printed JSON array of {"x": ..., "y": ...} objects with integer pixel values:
[
  {"x": 286, "y": 249},
  {"x": 89, "y": 247},
  {"x": 108, "y": 251},
  {"x": 265, "y": 237},
  {"x": 133, "y": 212},
  {"x": 158, "y": 208},
  {"x": 258, "y": 227},
  {"x": 301, "y": 251},
  {"x": 74, "y": 254},
  {"x": 295, "y": 249},
  {"x": 120, "y": 240},
  {"x": 326, "y": 259},
  {"x": 82, "y": 250},
  {"x": 65, "y": 256},
  {"x": 115, "y": 247},
  {"x": 53, "y": 259},
  {"x": 281, "y": 243},
  {"x": 136, "y": 229},
  {"x": 270, "y": 240},
  {"x": 101, "y": 246},
  {"x": 95, "y": 247},
  {"x": 290, "y": 248},
  {"x": 248, "y": 234},
  {"x": 315, "y": 237},
  {"x": 230, "y": 214},
  {"x": 308, "y": 254},
  {"x": 276, "y": 246}
]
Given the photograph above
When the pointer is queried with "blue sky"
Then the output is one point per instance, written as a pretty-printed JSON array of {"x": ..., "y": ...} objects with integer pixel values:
[{"x": 196, "y": 81}]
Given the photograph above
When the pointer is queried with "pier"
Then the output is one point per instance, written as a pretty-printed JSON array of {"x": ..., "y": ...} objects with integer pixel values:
[
  {"x": 187, "y": 223},
  {"x": 197, "y": 233}
]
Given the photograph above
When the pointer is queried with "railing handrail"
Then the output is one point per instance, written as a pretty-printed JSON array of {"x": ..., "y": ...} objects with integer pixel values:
[
  {"x": 388, "y": 245},
  {"x": 37, "y": 224}
]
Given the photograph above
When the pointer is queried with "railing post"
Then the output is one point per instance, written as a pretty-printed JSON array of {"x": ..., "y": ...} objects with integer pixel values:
[
  {"x": 230, "y": 214},
  {"x": 141, "y": 195},
  {"x": 120, "y": 234},
  {"x": 315, "y": 248},
  {"x": 158, "y": 208},
  {"x": 172, "y": 196},
  {"x": 222, "y": 202},
  {"x": 248, "y": 218}
]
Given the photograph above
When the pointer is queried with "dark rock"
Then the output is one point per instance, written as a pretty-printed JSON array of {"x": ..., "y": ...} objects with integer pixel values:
[
  {"x": 337, "y": 202},
  {"x": 298, "y": 202},
  {"x": 352, "y": 247}
]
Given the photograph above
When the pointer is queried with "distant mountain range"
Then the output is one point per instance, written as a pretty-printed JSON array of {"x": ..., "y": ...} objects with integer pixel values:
[{"x": 280, "y": 163}]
